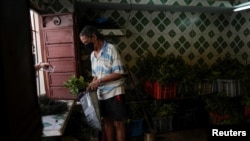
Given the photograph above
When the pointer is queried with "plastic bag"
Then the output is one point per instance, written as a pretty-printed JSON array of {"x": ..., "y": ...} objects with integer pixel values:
[{"x": 90, "y": 106}]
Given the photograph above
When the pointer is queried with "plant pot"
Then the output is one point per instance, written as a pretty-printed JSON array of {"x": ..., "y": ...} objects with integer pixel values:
[
  {"x": 149, "y": 136},
  {"x": 217, "y": 119},
  {"x": 163, "y": 124},
  {"x": 148, "y": 87},
  {"x": 134, "y": 128},
  {"x": 206, "y": 87},
  {"x": 230, "y": 87},
  {"x": 247, "y": 112},
  {"x": 167, "y": 91}
]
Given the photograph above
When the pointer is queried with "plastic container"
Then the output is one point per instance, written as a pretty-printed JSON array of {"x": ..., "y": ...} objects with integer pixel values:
[
  {"x": 167, "y": 91},
  {"x": 229, "y": 86},
  {"x": 134, "y": 128}
]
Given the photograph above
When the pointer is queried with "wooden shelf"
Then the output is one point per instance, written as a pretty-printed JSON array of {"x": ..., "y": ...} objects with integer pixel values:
[{"x": 113, "y": 32}]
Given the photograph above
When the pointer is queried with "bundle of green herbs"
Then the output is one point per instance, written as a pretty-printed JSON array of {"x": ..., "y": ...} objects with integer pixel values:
[{"x": 76, "y": 84}]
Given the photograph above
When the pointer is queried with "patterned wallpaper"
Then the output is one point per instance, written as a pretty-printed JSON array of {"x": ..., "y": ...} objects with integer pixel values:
[{"x": 197, "y": 37}]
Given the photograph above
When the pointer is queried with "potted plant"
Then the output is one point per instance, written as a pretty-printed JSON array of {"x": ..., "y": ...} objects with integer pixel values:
[
  {"x": 76, "y": 84},
  {"x": 223, "y": 110},
  {"x": 172, "y": 72},
  {"x": 187, "y": 84},
  {"x": 162, "y": 115},
  {"x": 246, "y": 104},
  {"x": 246, "y": 95},
  {"x": 147, "y": 65},
  {"x": 172, "y": 69},
  {"x": 148, "y": 74},
  {"x": 204, "y": 80},
  {"x": 228, "y": 68},
  {"x": 134, "y": 121},
  {"x": 229, "y": 72}
]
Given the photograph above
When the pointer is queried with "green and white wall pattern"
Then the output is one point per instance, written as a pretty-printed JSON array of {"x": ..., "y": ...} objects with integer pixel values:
[{"x": 197, "y": 36}]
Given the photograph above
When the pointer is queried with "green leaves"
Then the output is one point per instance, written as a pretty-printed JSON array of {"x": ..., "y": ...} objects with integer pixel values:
[
  {"x": 228, "y": 68},
  {"x": 76, "y": 84},
  {"x": 161, "y": 109},
  {"x": 162, "y": 69}
]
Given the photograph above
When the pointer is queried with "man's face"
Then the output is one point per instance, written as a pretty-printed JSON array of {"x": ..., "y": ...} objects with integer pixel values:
[{"x": 85, "y": 40}]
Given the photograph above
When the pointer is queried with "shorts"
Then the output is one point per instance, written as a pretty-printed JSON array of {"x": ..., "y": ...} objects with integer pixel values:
[{"x": 113, "y": 107}]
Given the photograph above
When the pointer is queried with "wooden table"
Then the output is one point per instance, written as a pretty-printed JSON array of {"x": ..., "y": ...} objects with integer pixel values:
[{"x": 54, "y": 125}]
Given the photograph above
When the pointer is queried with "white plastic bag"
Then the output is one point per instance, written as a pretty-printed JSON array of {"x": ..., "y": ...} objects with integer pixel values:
[{"x": 89, "y": 102}]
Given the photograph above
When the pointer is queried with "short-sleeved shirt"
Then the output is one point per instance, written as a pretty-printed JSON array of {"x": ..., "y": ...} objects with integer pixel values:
[{"x": 108, "y": 61}]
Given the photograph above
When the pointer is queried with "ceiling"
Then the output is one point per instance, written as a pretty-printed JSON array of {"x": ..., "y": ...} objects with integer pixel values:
[{"x": 123, "y": 6}]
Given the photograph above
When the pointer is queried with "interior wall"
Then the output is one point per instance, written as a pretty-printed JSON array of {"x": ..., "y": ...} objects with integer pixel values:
[{"x": 196, "y": 36}]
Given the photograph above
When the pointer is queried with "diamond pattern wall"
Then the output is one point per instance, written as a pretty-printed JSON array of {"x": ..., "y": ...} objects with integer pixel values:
[{"x": 197, "y": 37}]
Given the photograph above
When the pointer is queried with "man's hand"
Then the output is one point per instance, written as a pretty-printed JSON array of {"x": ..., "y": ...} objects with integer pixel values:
[
  {"x": 94, "y": 84},
  {"x": 44, "y": 65}
]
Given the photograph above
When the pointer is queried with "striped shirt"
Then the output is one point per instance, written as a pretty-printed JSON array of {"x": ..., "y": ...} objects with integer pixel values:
[{"x": 108, "y": 61}]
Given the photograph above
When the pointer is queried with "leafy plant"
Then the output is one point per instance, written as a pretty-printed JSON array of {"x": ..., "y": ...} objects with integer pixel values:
[
  {"x": 148, "y": 66},
  {"x": 228, "y": 68},
  {"x": 218, "y": 103},
  {"x": 175, "y": 69},
  {"x": 171, "y": 69},
  {"x": 203, "y": 72},
  {"x": 246, "y": 101},
  {"x": 134, "y": 110},
  {"x": 224, "y": 105},
  {"x": 162, "y": 69},
  {"x": 161, "y": 109},
  {"x": 246, "y": 82},
  {"x": 76, "y": 84},
  {"x": 189, "y": 81}
]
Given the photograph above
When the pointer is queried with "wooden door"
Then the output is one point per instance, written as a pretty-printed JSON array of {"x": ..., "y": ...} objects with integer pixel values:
[{"x": 59, "y": 49}]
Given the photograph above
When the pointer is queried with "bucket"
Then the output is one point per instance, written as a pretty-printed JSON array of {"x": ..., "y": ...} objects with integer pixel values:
[{"x": 149, "y": 135}]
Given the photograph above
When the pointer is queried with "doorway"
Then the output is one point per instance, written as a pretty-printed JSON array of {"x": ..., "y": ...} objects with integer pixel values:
[{"x": 36, "y": 50}]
